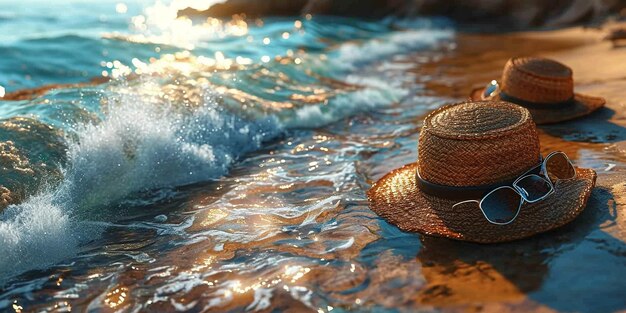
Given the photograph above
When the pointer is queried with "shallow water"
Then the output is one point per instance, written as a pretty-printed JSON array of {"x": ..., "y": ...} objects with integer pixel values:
[{"x": 224, "y": 168}]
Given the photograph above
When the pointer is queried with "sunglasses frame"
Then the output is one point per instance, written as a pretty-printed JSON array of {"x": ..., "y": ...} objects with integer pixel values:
[
  {"x": 524, "y": 193},
  {"x": 492, "y": 94},
  {"x": 520, "y": 191}
]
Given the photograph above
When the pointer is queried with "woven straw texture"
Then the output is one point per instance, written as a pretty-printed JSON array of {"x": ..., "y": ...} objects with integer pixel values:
[
  {"x": 470, "y": 144},
  {"x": 396, "y": 198},
  {"x": 543, "y": 81},
  {"x": 537, "y": 80}
]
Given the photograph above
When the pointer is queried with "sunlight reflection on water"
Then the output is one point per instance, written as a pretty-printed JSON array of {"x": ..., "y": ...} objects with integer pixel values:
[{"x": 189, "y": 100}]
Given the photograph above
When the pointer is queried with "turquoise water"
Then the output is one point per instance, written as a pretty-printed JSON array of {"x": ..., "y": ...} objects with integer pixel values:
[
  {"x": 224, "y": 169},
  {"x": 218, "y": 147}
]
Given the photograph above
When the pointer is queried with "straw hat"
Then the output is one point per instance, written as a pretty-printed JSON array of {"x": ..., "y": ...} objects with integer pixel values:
[
  {"x": 473, "y": 144},
  {"x": 545, "y": 87}
]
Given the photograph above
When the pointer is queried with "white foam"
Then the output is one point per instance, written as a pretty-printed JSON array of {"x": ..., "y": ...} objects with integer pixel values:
[
  {"x": 34, "y": 234},
  {"x": 262, "y": 299},
  {"x": 373, "y": 94},
  {"x": 351, "y": 55},
  {"x": 139, "y": 146},
  {"x": 376, "y": 92}
]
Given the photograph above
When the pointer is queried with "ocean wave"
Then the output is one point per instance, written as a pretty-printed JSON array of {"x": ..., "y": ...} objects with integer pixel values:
[
  {"x": 139, "y": 146},
  {"x": 372, "y": 93},
  {"x": 144, "y": 142},
  {"x": 34, "y": 234},
  {"x": 352, "y": 55}
]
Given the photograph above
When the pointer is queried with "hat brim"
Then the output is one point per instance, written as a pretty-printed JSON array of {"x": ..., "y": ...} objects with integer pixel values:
[
  {"x": 396, "y": 198},
  {"x": 581, "y": 106}
]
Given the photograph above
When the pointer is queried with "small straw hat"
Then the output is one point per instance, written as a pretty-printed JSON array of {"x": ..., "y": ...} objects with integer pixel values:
[
  {"x": 473, "y": 144},
  {"x": 545, "y": 87}
]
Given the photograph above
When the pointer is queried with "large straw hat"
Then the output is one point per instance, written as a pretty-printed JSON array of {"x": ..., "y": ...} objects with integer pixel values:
[
  {"x": 545, "y": 87},
  {"x": 483, "y": 143}
]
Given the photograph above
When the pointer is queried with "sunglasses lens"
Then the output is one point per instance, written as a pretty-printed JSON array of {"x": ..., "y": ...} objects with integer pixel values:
[
  {"x": 558, "y": 167},
  {"x": 501, "y": 205},
  {"x": 534, "y": 187},
  {"x": 491, "y": 89}
]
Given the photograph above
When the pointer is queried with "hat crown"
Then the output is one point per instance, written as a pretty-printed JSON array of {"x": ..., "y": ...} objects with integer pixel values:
[
  {"x": 537, "y": 80},
  {"x": 477, "y": 143}
]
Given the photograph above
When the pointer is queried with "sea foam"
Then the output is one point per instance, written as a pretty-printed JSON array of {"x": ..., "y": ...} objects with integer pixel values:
[
  {"x": 141, "y": 145},
  {"x": 352, "y": 55}
]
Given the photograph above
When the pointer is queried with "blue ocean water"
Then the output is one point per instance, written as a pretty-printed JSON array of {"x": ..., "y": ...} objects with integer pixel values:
[
  {"x": 187, "y": 101},
  {"x": 223, "y": 168}
]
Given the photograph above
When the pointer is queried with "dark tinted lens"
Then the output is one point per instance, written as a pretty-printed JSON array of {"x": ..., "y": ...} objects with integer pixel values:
[
  {"x": 501, "y": 206},
  {"x": 559, "y": 167},
  {"x": 535, "y": 187}
]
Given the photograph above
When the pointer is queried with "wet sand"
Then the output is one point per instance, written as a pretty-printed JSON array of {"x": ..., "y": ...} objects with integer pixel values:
[{"x": 579, "y": 267}]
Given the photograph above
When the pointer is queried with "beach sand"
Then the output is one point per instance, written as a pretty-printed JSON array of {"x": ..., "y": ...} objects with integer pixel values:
[{"x": 550, "y": 272}]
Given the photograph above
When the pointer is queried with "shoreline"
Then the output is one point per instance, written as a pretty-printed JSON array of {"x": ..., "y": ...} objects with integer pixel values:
[
  {"x": 459, "y": 267},
  {"x": 473, "y": 46},
  {"x": 283, "y": 202}
]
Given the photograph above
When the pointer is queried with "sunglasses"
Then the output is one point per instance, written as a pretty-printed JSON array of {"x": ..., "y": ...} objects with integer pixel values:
[
  {"x": 492, "y": 89},
  {"x": 502, "y": 205}
]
